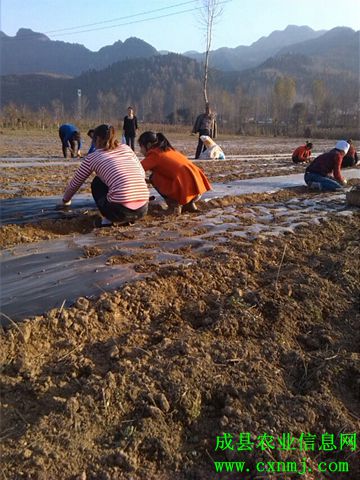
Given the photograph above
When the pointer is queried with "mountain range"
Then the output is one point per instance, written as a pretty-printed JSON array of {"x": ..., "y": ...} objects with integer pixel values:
[
  {"x": 32, "y": 52},
  {"x": 33, "y": 75},
  {"x": 243, "y": 57}
]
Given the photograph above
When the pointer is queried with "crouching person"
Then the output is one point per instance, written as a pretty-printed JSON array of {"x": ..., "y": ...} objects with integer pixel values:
[
  {"x": 213, "y": 151},
  {"x": 302, "y": 154},
  {"x": 119, "y": 188},
  {"x": 323, "y": 173},
  {"x": 178, "y": 180}
]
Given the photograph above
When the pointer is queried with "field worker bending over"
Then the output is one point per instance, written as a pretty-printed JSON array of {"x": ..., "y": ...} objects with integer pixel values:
[
  {"x": 179, "y": 181},
  {"x": 323, "y": 173},
  {"x": 213, "y": 151},
  {"x": 119, "y": 188},
  {"x": 302, "y": 154},
  {"x": 70, "y": 138}
]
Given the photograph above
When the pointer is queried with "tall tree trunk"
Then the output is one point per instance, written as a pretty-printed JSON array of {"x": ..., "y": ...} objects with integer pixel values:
[{"x": 211, "y": 11}]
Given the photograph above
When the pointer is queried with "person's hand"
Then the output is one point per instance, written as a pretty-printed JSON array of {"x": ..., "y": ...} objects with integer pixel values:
[
  {"x": 79, "y": 153},
  {"x": 344, "y": 182}
]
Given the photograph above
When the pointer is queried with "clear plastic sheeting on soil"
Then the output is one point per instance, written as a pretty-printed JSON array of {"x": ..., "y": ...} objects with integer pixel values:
[
  {"x": 21, "y": 210},
  {"x": 42, "y": 276},
  {"x": 35, "y": 162},
  {"x": 31, "y": 209},
  {"x": 38, "y": 277}
]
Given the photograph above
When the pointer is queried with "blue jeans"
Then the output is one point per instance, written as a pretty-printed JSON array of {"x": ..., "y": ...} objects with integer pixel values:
[{"x": 327, "y": 183}]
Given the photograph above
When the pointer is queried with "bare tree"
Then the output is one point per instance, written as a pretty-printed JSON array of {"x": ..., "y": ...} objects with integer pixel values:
[{"x": 210, "y": 11}]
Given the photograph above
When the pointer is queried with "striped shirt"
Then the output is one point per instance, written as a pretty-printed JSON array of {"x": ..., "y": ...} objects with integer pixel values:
[{"x": 120, "y": 170}]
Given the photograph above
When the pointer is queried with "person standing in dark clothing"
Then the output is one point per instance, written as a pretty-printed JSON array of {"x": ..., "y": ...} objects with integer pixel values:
[
  {"x": 70, "y": 138},
  {"x": 130, "y": 126},
  {"x": 205, "y": 124}
]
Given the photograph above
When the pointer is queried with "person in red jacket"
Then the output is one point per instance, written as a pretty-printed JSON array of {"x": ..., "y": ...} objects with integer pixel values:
[
  {"x": 302, "y": 154},
  {"x": 351, "y": 158},
  {"x": 178, "y": 180},
  {"x": 323, "y": 173}
]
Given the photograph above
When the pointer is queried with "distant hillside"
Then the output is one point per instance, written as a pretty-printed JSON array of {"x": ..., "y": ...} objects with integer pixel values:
[
  {"x": 245, "y": 57},
  {"x": 337, "y": 49},
  {"x": 168, "y": 88},
  {"x": 159, "y": 82},
  {"x": 167, "y": 82},
  {"x": 32, "y": 52}
]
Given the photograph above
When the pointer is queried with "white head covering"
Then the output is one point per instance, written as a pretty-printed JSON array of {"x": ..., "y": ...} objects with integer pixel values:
[{"x": 342, "y": 145}]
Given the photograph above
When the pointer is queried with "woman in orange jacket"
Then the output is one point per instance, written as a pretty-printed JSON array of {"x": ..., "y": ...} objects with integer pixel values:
[{"x": 179, "y": 181}]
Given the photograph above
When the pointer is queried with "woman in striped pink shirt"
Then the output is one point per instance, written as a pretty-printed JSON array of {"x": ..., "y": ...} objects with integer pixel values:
[{"x": 119, "y": 188}]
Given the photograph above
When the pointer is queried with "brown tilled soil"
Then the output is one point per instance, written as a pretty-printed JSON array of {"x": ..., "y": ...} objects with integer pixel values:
[{"x": 254, "y": 337}]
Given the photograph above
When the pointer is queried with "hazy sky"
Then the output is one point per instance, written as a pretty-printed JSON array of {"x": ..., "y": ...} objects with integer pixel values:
[{"x": 171, "y": 25}]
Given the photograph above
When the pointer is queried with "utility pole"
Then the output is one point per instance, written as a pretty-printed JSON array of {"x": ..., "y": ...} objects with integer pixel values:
[{"x": 79, "y": 103}]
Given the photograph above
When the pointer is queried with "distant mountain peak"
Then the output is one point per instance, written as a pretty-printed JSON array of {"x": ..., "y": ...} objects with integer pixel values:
[
  {"x": 27, "y": 32},
  {"x": 244, "y": 57},
  {"x": 32, "y": 52},
  {"x": 291, "y": 34}
]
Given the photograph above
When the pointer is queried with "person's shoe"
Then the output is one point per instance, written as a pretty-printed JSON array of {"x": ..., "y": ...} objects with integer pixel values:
[
  {"x": 190, "y": 207},
  {"x": 173, "y": 207},
  {"x": 102, "y": 223},
  {"x": 315, "y": 186}
]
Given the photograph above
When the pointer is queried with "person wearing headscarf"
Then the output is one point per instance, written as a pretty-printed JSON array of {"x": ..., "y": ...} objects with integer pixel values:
[{"x": 323, "y": 173}]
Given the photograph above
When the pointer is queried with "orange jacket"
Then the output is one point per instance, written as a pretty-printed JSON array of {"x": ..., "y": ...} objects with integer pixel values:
[
  {"x": 302, "y": 153},
  {"x": 174, "y": 175}
]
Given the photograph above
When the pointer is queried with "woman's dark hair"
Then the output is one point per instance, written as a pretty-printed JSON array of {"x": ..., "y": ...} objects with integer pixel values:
[
  {"x": 309, "y": 145},
  {"x": 91, "y": 132},
  {"x": 155, "y": 140},
  {"x": 106, "y": 133}
]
